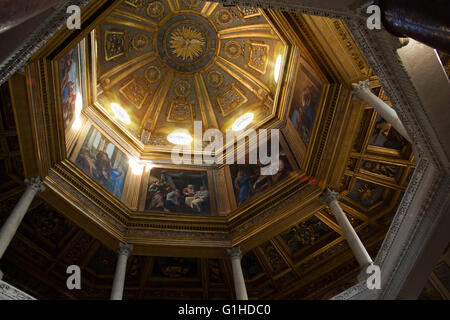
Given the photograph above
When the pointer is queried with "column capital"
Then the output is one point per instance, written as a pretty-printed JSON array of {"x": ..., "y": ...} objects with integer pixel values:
[
  {"x": 124, "y": 249},
  {"x": 328, "y": 196},
  {"x": 35, "y": 183},
  {"x": 359, "y": 86},
  {"x": 234, "y": 253}
]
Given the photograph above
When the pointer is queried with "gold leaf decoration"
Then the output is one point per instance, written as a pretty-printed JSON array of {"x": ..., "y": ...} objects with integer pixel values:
[{"x": 187, "y": 43}]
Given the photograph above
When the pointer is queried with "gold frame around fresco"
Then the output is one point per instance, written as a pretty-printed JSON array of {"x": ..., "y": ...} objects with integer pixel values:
[
  {"x": 65, "y": 181},
  {"x": 70, "y": 137},
  {"x": 145, "y": 184},
  {"x": 295, "y": 169},
  {"x": 304, "y": 151}
]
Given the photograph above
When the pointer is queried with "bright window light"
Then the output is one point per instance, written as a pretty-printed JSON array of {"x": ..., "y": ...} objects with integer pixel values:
[
  {"x": 276, "y": 74},
  {"x": 120, "y": 113},
  {"x": 77, "y": 123},
  {"x": 136, "y": 168},
  {"x": 243, "y": 121},
  {"x": 180, "y": 137},
  {"x": 78, "y": 107}
]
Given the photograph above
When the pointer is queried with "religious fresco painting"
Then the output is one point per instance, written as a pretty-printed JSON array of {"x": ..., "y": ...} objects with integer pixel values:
[
  {"x": 72, "y": 82},
  {"x": 366, "y": 193},
  {"x": 174, "y": 268},
  {"x": 103, "y": 162},
  {"x": 180, "y": 191},
  {"x": 307, "y": 233},
  {"x": 384, "y": 169},
  {"x": 248, "y": 181},
  {"x": 305, "y": 100},
  {"x": 385, "y": 136}
]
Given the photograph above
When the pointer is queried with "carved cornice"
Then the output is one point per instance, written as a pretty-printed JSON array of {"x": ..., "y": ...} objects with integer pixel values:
[
  {"x": 174, "y": 230},
  {"x": 380, "y": 50},
  {"x": 325, "y": 9},
  {"x": 7, "y": 291},
  {"x": 37, "y": 39},
  {"x": 67, "y": 181}
]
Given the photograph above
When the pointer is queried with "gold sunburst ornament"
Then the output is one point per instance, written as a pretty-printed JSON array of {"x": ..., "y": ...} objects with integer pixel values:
[{"x": 187, "y": 43}]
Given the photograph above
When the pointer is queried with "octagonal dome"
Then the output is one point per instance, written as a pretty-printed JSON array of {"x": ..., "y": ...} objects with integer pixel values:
[{"x": 163, "y": 65}]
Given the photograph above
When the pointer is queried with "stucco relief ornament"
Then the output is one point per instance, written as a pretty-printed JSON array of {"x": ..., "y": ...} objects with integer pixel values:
[
  {"x": 13, "y": 293},
  {"x": 186, "y": 42},
  {"x": 155, "y": 9}
]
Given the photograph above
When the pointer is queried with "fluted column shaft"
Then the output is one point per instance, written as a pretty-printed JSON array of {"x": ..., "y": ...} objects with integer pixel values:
[
  {"x": 12, "y": 223},
  {"x": 358, "y": 249},
  {"x": 238, "y": 277},
  {"x": 123, "y": 253},
  {"x": 362, "y": 91}
]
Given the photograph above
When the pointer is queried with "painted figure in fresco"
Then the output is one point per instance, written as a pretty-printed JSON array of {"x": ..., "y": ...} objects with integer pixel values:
[
  {"x": 383, "y": 169},
  {"x": 393, "y": 139},
  {"x": 103, "y": 165},
  {"x": 198, "y": 199},
  {"x": 281, "y": 169},
  {"x": 157, "y": 190},
  {"x": 189, "y": 191},
  {"x": 95, "y": 162},
  {"x": 249, "y": 182},
  {"x": 262, "y": 183},
  {"x": 116, "y": 181},
  {"x": 65, "y": 68},
  {"x": 243, "y": 186},
  {"x": 68, "y": 86},
  {"x": 85, "y": 161},
  {"x": 178, "y": 191},
  {"x": 172, "y": 199},
  {"x": 68, "y": 102},
  {"x": 303, "y": 116},
  {"x": 382, "y": 128}
]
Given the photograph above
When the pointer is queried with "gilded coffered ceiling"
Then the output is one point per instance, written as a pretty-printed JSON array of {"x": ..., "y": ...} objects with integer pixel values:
[
  {"x": 166, "y": 64},
  {"x": 170, "y": 63},
  {"x": 307, "y": 258}
]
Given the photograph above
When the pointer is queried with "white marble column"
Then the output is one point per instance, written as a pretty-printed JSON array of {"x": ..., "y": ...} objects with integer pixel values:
[
  {"x": 358, "y": 249},
  {"x": 362, "y": 91},
  {"x": 123, "y": 252},
  {"x": 238, "y": 277},
  {"x": 12, "y": 223}
]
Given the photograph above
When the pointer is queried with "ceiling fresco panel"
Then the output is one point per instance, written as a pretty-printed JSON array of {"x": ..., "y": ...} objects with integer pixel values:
[
  {"x": 225, "y": 56},
  {"x": 308, "y": 234},
  {"x": 178, "y": 191},
  {"x": 164, "y": 64}
]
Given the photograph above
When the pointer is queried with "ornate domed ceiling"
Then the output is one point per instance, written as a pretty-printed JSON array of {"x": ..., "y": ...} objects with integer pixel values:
[
  {"x": 162, "y": 65},
  {"x": 140, "y": 69}
]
